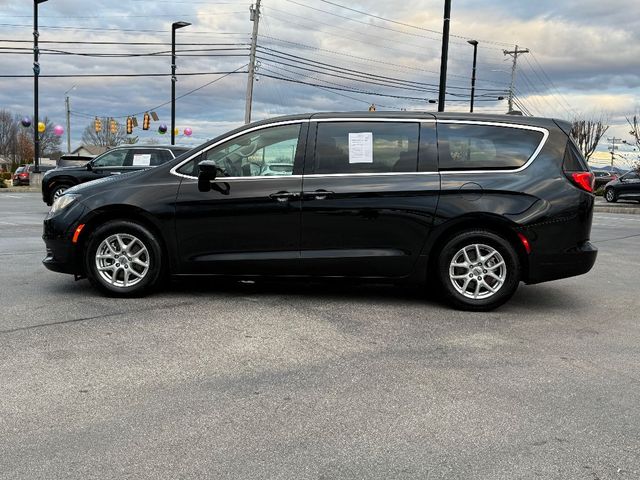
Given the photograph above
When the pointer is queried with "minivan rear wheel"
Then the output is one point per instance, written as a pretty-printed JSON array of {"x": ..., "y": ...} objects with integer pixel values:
[
  {"x": 123, "y": 259},
  {"x": 478, "y": 270}
]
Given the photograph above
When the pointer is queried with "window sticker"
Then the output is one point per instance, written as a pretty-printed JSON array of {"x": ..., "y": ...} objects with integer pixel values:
[
  {"x": 143, "y": 159},
  {"x": 361, "y": 147}
]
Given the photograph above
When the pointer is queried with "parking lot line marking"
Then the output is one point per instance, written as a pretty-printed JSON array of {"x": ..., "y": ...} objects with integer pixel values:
[{"x": 10, "y": 224}]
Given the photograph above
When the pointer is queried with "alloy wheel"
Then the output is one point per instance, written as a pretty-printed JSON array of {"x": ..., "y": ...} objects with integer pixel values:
[
  {"x": 477, "y": 271},
  {"x": 122, "y": 260}
]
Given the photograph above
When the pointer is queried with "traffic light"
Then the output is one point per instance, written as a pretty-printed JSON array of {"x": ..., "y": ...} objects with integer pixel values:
[
  {"x": 113, "y": 126},
  {"x": 97, "y": 124},
  {"x": 129, "y": 125},
  {"x": 146, "y": 121}
]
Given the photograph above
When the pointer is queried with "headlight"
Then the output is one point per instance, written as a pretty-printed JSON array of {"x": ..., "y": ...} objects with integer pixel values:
[{"x": 63, "y": 202}]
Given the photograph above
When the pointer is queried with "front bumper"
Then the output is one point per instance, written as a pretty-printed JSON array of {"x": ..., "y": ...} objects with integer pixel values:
[
  {"x": 63, "y": 255},
  {"x": 576, "y": 261}
]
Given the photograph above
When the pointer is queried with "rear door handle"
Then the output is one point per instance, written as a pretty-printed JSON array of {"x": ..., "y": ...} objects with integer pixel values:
[
  {"x": 284, "y": 196},
  {"x": 318, "y": 194}
]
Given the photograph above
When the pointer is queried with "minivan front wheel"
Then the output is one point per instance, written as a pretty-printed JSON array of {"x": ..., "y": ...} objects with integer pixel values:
[
  {"x": 123, "y": 258},
  {"x": 478, "y": 270}
]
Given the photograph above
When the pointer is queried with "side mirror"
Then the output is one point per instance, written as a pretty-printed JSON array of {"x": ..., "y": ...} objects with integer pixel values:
[
  {"x": 207, "y": 172},
  {"x": 89, "y": 166}
]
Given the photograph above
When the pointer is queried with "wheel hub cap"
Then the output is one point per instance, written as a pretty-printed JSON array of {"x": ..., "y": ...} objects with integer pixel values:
[
  {"x": 477, "y": 271},
  {"x": 122, "y": 260}
]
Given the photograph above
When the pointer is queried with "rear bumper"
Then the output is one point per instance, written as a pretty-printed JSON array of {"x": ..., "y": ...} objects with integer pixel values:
[{"x": 576, "y": 261}]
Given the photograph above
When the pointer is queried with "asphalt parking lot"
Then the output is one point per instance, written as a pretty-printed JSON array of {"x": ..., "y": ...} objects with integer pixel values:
[{"x": 316, "y": 381}]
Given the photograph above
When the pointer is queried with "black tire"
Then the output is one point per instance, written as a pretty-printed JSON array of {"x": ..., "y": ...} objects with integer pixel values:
[
  {"x": 486, "y": 299},
  {"x": 146, "y": 246},
  {"x": 610, "y": 195},
  {"x": 56, "y": 191}
]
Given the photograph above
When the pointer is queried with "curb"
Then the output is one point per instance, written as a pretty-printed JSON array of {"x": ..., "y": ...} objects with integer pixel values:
[
  {"x": 20, "y": 190},
  {"x": 607, "y": 209}
]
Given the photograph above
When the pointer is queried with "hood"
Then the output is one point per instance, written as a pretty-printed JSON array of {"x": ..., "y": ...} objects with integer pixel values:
[{"x": 104, "y": 183}]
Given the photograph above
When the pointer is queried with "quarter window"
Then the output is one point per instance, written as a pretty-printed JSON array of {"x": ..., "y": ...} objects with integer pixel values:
[
  {"x": 485, "y": 147},
  {"x": 366, "y": 147},
  {"x": 266, "y": 152}
]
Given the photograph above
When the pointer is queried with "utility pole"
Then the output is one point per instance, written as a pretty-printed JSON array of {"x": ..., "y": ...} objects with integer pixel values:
[
  {"x": 444, "y": 55},
  {"x": 174, "y": 26},
  {"x": 473, "y": 71},
  {"x": 66, "y": 101},
  {"x": 255, "y": 18},
  {"x": 613, "y": 147},
  {"x": 514, "y": 54}
]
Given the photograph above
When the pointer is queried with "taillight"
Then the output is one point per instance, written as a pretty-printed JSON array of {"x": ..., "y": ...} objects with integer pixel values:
[{"x": 583, "y": 180}]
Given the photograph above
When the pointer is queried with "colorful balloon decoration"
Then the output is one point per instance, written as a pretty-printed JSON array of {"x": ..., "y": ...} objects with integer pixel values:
[
  {"x": 41, "y": 127},
  {"x": 162, "y": 129},
  {"x": 58, "y": 130},
  {"x": 26, "y": 122},
  {"x": 176, "y": 131},
  {"x": 188, "y": 132}
]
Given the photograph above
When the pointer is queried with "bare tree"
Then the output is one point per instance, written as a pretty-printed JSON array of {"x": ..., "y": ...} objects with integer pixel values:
[
  {"x": 25, "y": 150},
  {"x": 105, "y": 138},
  {"x": 588, "y": 133},
  {"x": 49, "y": 141},
  {"x": 634, "y": 123},
  {"x": 8, "y": 134}
]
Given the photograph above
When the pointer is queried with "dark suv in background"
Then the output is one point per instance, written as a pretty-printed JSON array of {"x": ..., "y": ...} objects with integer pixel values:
[
  {"x": 470, "y": 205},
  {"x": 115, "y": 161}
]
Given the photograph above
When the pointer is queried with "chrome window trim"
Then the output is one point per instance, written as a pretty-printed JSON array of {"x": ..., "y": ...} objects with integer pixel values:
[
  {"x": 231, "y": 137},
  {"x": 545, "y": 137}
]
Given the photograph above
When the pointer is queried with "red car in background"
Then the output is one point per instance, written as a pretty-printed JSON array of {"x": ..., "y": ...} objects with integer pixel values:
[{"x": 22, "y": 174}]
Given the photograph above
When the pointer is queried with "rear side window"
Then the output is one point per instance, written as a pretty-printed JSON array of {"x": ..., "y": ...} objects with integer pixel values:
[
  {"x": 485, "y": 147},
  {"x": 366, "y": 147},
  {"x": 573, "y": 160}
]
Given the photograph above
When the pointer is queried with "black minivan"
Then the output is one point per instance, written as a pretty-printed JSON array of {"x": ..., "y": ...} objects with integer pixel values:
[{"x": 472, "y": 203}]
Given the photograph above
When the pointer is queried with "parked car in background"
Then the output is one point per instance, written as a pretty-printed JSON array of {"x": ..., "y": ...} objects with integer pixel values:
[
  {"x": 469, "y": 205},
  {"x": 124, "y": 159},
  {"x": 627, "y": 187},
  {"x": 22, "y": 174},
  {"x": 602, "y": 177}
]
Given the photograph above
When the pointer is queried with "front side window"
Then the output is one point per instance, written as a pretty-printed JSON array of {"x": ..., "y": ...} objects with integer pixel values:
[
  {"x": 485, "y": 147},
  {"x": 366, "y": 147},
  {"x": 114, "y": 158},
  {"x": 631, "y": 176},
  {"x": 262, "y": 153}
]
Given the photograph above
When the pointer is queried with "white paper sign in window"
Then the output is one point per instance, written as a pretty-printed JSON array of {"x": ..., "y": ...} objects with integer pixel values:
[
  {"x": 142, "y": 159},
  {"x": 361, "y": 147}
]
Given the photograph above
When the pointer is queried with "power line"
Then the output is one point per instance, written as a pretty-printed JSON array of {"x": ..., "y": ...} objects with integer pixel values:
[
  {"x": 115, "y": 75},
  {"x": 190, "y": 92},
  {"x": 406, "y": 24},
  {"x": 335, "y": 68}
]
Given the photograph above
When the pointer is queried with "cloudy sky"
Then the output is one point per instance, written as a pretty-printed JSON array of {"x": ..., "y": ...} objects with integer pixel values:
[{"x": 584, "y": 58}]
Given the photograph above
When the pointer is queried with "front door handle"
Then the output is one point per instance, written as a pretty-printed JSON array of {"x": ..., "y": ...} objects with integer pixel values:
[
  {"x": 283, "y": 196},
  {"x": 318, "y": 194}
]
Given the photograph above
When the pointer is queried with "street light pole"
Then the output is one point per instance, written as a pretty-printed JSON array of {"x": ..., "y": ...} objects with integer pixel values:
[
  {"x": 473, "y": 72},
  {"x": 174, "y": 27},
  {"x": 36, "y": 74}
]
